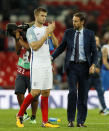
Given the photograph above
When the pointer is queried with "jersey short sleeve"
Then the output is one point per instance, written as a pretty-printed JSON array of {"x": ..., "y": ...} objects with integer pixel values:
[{"x": 30, "y": 35}]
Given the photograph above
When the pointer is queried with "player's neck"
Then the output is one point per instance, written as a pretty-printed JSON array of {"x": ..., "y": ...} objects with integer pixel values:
[{"x": 38, "y": 24}]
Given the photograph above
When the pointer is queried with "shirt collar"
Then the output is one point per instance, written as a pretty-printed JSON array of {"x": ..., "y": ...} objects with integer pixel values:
[{"x": 81, "y": 31}]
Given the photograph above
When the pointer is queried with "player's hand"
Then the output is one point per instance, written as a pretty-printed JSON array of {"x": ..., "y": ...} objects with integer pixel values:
[
  {"x": 92, "y": 69},
  {"x": 50, "y": 27},
  {"x": 53, "y": 24}
]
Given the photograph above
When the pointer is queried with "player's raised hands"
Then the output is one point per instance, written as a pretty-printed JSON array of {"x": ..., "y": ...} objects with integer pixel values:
[{"x": 51, "y": 27}]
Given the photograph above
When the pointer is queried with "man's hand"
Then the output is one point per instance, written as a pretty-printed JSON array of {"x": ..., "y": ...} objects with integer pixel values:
[
  {"x": 17, "y": 34},
  {"x": 50, "y": 27},
  {"x": 92, "y": 69}
]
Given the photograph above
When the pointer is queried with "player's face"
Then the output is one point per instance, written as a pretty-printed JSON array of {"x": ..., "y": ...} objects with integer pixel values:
[
  {"x": 41, "y": 17},
  {"x": 77, "y": 23}
]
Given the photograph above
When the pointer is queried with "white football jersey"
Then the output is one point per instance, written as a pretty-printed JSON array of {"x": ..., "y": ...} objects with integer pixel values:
[{"x": 40, "y": 57}]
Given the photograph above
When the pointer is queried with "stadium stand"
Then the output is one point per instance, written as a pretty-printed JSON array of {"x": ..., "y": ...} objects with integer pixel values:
[{"x": 7, "y": 69}]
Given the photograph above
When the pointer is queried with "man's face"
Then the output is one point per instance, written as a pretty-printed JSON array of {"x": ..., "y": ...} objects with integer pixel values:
[
  {"x": 41, "y": 17},
  {"x": 77, "y": 23}
]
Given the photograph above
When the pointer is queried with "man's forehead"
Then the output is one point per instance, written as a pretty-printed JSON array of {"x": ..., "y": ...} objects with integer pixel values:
[
  {"x": 75, "y": 17},
  {"x": 43, "y": 13}
]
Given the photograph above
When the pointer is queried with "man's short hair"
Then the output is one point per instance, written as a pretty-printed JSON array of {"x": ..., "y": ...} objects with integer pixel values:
[
  {"x": 38, "y": 10},
  {"x": 81, "y": 15}
]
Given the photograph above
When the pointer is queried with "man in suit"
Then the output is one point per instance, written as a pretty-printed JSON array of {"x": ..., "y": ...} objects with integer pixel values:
[{"x": 80, "y": 61}]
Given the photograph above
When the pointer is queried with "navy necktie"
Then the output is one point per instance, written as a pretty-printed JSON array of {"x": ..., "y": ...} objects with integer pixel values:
[{"x": 76, "y": 57}]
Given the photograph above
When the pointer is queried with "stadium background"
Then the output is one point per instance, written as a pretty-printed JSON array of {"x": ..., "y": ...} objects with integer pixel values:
[{"x": 18, "y": 11}]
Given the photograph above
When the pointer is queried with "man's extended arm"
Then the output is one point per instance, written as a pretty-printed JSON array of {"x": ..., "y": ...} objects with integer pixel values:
[
  {"x": 20, "y": 42},
  {"x": 61, "y": 47}
]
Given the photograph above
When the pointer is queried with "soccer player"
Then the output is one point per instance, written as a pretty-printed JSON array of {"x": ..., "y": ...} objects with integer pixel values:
[
  {"x": 23, "y": 75},
  {"x": 40, "y": 66}
]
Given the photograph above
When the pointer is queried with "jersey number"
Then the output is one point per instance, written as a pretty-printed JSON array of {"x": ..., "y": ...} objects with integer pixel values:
[{"x": 21, "y": 70}]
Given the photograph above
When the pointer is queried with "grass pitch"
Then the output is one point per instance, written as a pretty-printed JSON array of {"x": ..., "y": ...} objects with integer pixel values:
[{"x": 95, "y": 122}]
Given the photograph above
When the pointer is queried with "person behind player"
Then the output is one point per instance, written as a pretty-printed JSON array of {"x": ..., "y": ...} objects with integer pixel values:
[
  {"x": 105, "y": 60},
  {"x": 22, "y": 81},
  {"x": 40, "y": 66},
  {"x": 95, "y": 79}
]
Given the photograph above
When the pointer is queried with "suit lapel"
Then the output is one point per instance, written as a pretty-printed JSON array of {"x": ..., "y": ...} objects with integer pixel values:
[{"x": 72, "y": 35}]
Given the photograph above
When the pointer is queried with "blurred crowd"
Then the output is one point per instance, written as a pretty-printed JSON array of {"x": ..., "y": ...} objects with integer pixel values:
[{"x": 12, "y": 11}]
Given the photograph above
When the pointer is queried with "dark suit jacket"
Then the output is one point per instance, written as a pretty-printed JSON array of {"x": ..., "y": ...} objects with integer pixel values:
[{"x": 68, "y": 44}]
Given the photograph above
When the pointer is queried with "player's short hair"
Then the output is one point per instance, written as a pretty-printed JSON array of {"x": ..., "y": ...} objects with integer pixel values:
[{"x": 38, "y": 10}]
